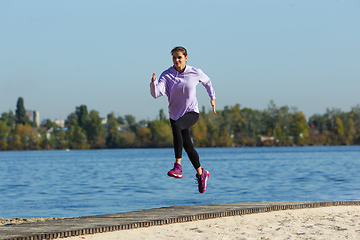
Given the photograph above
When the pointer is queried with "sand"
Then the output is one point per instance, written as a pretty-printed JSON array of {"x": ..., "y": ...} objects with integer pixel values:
[
  {"x": 341, "y": 222},
  {"x": 12, "y": 221}
]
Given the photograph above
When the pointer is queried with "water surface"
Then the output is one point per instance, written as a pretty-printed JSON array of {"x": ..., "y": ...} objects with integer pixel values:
[{"x": 90, "y": 182}]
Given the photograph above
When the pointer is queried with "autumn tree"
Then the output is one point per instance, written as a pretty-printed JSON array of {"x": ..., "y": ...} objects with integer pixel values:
[
  {"x": 161, "y": 134},
  {"x": 144, "y": 136},
  {"x": 4, "y": 132},
  {"x": 199, "y": 132},
  {"x": 299, "y": 128},
  {"x": 338, "y": 131}
]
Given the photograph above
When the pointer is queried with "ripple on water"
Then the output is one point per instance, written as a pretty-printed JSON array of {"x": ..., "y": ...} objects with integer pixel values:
[{"x": 88, "y": 182}]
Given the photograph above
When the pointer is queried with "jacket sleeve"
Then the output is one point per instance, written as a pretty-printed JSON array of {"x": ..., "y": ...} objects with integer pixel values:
[
  {"x": 206, "y": 82},
  {"x": 157, "y": 88}
]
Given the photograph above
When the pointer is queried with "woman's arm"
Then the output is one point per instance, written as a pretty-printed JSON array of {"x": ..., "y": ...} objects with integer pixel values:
[
  {"x": 157, "y": 88},
  {"x": 206, "y": 82}
]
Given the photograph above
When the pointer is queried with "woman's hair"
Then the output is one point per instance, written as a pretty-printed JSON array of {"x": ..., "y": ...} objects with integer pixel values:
[{"x": 179, "y": 49}]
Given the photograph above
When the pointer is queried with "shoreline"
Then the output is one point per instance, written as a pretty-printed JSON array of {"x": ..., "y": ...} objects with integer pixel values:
[{"x": 232, "y": 146}]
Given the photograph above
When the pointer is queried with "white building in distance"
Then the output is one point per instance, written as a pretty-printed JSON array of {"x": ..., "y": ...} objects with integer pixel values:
[{"x": 60, "y": 122}]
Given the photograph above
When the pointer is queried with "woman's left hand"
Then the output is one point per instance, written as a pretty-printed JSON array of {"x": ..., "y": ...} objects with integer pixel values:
[{"x": 213, "y": 105}]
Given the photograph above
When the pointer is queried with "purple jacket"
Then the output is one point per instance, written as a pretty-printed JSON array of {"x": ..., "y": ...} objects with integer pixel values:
[{"x": 180, "y": 89}]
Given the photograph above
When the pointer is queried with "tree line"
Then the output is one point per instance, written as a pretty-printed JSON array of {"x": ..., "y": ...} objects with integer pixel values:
[{"x": 231, "y": 127}]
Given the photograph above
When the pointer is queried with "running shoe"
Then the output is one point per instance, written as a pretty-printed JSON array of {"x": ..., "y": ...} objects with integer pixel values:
[
  {"x": 176, "y": 172},
  {"x": 202, "y": 180}
]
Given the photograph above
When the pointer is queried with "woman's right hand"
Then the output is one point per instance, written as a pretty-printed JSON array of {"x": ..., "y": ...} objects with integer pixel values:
[
  {"x": 153, "y": 79},
  {"x": 213, "y": 105}
]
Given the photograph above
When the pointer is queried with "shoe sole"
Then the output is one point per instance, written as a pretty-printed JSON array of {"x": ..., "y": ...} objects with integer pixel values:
[
  {"x": 207, "y": 177},
  {"x": 174, "y": 175}
]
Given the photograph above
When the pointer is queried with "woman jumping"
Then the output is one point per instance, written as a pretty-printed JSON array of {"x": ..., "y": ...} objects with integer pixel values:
[{"x": 179, "y": 84}]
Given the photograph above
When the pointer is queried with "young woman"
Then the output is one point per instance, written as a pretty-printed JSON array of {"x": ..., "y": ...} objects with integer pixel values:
[{"x": 179, "y": 84}]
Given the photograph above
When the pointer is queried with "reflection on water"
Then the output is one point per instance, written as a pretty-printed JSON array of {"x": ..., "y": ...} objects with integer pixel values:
[{"x": 90, "y": 182}]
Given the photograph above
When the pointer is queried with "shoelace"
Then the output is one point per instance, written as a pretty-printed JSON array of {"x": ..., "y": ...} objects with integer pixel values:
[{"x": 197, "y": 180}]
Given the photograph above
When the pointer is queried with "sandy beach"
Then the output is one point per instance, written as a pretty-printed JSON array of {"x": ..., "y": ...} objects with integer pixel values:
[
  {"x": 25, "y": 220},
  {"x": 340, "y": 222}
]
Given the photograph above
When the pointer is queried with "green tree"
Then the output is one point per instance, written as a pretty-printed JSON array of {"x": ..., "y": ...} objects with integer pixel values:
[
  {"x": 279, "y": 135},
  {"x": 61, "y": 141},
  {"x": 272, "y": 117},
  {"x": 331, "y": 116},
  {"x": 9, "y": 118},
  {"x": 349, "y": 132},
  {"x": 319, "y": 121},
  {"x": 253, "y": 126},
  {"x": 49, "y": 124},
  {"x": 214, "y": 124},
  {"x": 71, "y": 117},
  {"x": 45, "y": 142},
  {"x": 229, "y": 124},
  {"x": 277, "y": 122},
  {"x": 355, "y": 116},
  {"x": 162, "y": 116},
  {"x": 120, "y": 120},
  {"x": 130, "y": 120},
  {"x": 58, "y": 138},
  {"x": 93, "y": 129},
  {"x": 76, "y": 136},
  {"x": 114, "y": 138},
  {"x": 20, "y": 116},
  {"x": 237, "y": 122},
  {"x": 82, "y": 116}
]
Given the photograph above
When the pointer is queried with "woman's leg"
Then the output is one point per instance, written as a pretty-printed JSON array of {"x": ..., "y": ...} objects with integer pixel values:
[
  {"x": 182, "y": 138},
  {"x": 190, "y": 149}
]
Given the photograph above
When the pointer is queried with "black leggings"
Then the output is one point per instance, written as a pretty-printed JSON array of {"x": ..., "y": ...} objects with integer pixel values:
[{"x": 181, "y": 133}]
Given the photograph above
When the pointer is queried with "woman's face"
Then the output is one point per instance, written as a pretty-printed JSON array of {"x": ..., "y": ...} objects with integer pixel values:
[{"x": 179, "y": 60}]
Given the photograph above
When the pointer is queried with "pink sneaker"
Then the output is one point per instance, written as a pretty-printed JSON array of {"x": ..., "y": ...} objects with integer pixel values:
[
  {"x": 202, "y": 180},
  {"x": 176, "y": 172}
]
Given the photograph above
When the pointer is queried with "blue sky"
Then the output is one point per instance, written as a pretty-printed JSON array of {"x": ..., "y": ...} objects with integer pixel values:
[{"x": 61, "y": 54}]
